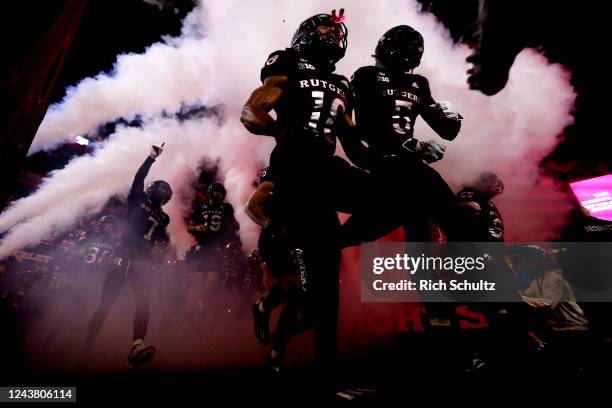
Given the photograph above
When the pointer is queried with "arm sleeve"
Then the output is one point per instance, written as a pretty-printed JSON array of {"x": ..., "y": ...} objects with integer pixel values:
[
  {"x": 446, "y": 128},
  {"x": 138, "y": 183},
  {"x": 277, "y": 64}
]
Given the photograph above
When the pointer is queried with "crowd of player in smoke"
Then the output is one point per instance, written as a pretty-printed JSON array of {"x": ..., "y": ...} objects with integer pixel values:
[
  {"x": 98, "y": 256},
  {"x": 296, "y": 202}
]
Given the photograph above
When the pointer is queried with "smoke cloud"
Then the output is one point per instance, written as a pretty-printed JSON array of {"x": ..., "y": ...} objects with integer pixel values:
[{"x": 216, "y": 62}]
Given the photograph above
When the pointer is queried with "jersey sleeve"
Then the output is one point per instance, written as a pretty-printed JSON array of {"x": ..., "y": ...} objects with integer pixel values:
[
  {"x": 277, "y": 64},
  {"x": 446, "y": 128},
  {"x": 136, "y": 191}
]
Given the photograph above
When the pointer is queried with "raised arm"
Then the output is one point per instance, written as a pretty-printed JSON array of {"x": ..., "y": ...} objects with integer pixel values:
[{"x": 143, "y": 170}]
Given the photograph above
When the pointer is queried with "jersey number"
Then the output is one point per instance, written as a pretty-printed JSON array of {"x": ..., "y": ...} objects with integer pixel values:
[
  {"x": 328, "y": 120},
  {"x": 215, "y": 222},
  {"x": 401, "y": 119},
  {"x": 92, "y": 256}
]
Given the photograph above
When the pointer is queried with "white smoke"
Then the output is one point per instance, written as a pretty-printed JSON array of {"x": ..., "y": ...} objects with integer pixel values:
[{"x": 216, "y": 61}]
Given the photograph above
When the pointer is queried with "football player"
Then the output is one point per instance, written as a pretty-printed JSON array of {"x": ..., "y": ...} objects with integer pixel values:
[
  {"x": 145, "y": 225},
  {"x": 313, "y": 107},
  {"x": 389, "y": 97},
  {"x": 99, "y": 249},
  {"x": 213, "y": 225},
  {"x": 484, "y": 218},
  {"x": 280, "y": 258}
]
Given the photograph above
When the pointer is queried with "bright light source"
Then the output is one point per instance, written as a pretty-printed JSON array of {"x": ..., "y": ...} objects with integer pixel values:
[
  {"x": 595, "y": 195},
  {"x": 81, "y": 140}
]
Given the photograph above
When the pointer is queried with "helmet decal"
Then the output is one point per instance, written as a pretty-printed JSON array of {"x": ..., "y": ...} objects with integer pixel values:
[{"x": 338, "y": 18}]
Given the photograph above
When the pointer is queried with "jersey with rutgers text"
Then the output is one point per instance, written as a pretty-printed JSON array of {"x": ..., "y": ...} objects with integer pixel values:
[
  {"x": 218, "y": 218},
  {"x": 312, "y": 99},
  {"x": 386, "y": 108},
  {"x": 489, "y": 225}
]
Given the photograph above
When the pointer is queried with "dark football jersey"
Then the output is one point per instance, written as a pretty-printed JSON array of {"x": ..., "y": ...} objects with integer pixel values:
[
  {"x": 217, "y": 218},
  {"x": 253, "y": 278},
  {"x": 312, "y": 100},
  {"x": 145, "y": 224},
  {"x": 386, "y": 109},
  {"x": 489, "y": 226},
  {"x": 100, "y": 251}
]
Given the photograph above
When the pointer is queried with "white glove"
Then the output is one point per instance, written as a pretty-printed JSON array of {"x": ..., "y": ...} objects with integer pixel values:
[
  {"x": 444, "y": 110},
  {"x": 430, "y": 151},
  {"x": 156, "y": 151}
]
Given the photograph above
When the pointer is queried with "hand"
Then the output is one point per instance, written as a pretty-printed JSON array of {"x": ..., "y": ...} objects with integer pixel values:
[
  {"x": 156, "y": 151},
  {"x": 201, "y": 228},
  {"x": 430, "y": 151},
  {"x": 443, "y": 109}
]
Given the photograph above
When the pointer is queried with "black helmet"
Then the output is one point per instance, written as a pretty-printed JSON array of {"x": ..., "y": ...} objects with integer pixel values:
[
  {"x": 216, "y": 187},
  {"x": 307, "y": 40},
  {"x": 400, "y": 49},
  {"x": 159, "y": 192},
  {"x": 108, "y": 219},
  {"x": 490, "y": 184},
  {"x": 109, "y": 224}
]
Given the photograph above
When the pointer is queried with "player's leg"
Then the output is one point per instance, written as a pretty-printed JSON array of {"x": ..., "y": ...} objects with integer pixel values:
[
  {"x": 440, "y": 203},
  {"x": 349, "y": 186},
  {"x": 292, "y": 321},
  {"x": 416, "y": 227},
  {"x": 373, "y": 202},
  {"x": 314, "y": 226},
  {"x": 323, "y": 302},
  {"x": 262, "y": 309},
  {"x": 113, "y": 283},
  {"x": 318, "y": 262},
  {"x": 140, "y": 277},
  {"x": 275, "y": 250}
]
